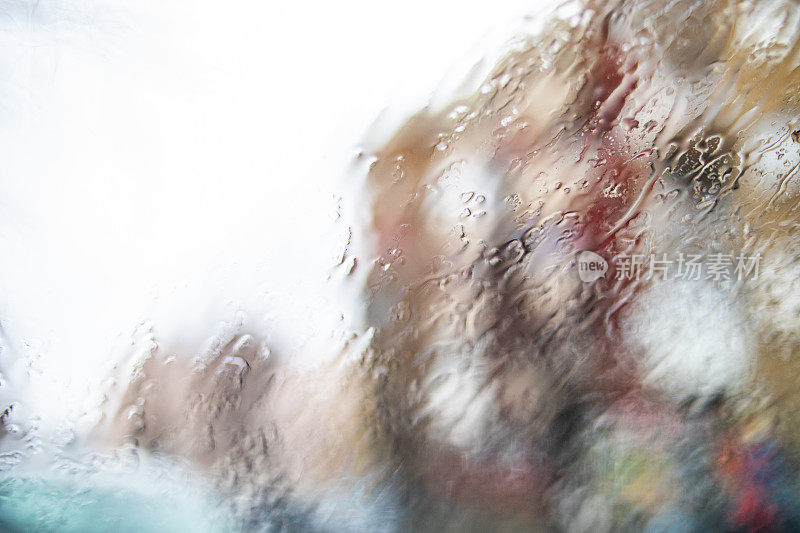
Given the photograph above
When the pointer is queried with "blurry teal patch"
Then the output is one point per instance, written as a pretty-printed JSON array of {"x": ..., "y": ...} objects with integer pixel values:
[{"x": 33, "y": 505}]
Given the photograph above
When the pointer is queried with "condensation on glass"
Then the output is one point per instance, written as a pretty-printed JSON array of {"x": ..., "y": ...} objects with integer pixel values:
[{"x": 579, "y": 306}]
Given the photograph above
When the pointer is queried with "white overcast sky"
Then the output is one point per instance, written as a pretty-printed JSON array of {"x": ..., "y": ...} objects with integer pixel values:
[{"x": 175, "y": 161}]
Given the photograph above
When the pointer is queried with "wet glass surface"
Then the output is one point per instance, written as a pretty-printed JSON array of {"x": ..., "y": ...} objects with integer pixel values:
[{"x": 577, "y": 309}]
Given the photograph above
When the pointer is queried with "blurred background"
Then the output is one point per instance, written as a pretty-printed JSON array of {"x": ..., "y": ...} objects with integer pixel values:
[{"x": 179, "y": 166}]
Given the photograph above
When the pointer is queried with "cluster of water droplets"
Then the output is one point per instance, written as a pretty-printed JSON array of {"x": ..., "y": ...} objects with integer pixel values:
[{"x": 489, "y": 385}]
